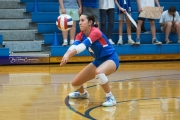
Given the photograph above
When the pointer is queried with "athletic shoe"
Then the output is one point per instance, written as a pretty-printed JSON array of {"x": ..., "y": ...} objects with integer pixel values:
[
  {"x": 65, "y": 44},
  {"x": 138, "y": 41},
  {"x": 110, "y": 101},
  {"x": 120, "y": 42},
  {"x": 110, "y": 40},
  {"x": 178, "y": 41},
  {"x": 131, "y": 42},
  {"x": 71, "y": 42},
  {"x": 155, "y": 41},
  {"x": 76, "y": 95},
  {"x": 168, "y": 41}
]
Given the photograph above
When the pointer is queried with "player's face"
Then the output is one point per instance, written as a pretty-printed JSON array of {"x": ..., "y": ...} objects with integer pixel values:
[{"x": 84, "y": 24}]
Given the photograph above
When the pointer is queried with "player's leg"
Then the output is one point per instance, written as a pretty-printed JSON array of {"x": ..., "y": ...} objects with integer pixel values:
[
  {"x": 83, "y": 76},
  {"x": 106, "y": 68}
]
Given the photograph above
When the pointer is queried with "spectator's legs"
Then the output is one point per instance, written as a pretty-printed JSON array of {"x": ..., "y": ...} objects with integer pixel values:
[
  {"x": 121, "y": 23},
  {"x": 128, "y": 25},
  {"x": 167, "y": 29},
  {"x": 177, "y": 27},
  {"x": 103, "y": 20},
  {"x": 153, "y": 29},
  {"x": 65, "y": 35},
  {"x": 138, "y": 31},
  {"x": 110, "y": 22},
  {"x": 72, "y": 32}
]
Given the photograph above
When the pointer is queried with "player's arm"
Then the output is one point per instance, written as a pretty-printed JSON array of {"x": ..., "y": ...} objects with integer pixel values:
[
  {"x": 62, "y": 7},
  {"x": 162, "y": 21},
  {"x": 119, "y": 7},
  {"x": 139, "y": 5}
]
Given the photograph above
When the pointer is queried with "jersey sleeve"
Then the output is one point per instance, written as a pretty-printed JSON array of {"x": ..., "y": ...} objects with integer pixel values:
[
  {"x": 78, "y": 39},
  {"x": 95, "y": 34}
]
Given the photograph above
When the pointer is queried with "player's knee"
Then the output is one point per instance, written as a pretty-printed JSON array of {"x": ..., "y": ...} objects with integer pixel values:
[
  {"x": 76, "y": 87},
  {"x": 101, "y": 78}
]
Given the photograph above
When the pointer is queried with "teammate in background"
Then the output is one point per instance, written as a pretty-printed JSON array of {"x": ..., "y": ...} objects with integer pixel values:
[
  {"x": 72, "y": 8},
  {"x": 123, "y": 6},
  {"x": 105, "y": 63}
]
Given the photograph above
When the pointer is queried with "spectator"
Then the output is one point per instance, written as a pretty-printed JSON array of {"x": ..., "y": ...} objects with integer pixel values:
[
  {"x": 72, "y": 8},
  {"x": 141, "y": 4},
  {"x": 123, "y": 6},
  {"x": 170, "y": 22},
  {"x": 91, "y": 6},
  {"x": 107, "y": 8}
]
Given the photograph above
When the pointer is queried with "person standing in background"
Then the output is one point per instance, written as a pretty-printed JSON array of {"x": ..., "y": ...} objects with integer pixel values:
[
  {"x": 141, "y": 4},
  {"x": 106, "y": 7},
  {"x": 91, "y": 6},
  {"x": 72, "y": 8},
  {"x": 124, "y": 6}
]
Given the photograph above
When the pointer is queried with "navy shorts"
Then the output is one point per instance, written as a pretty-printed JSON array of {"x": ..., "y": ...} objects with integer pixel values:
[{"x": 114, "y": 57}]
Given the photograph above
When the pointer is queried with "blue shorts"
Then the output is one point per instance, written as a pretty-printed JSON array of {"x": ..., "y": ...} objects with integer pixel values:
[{"x": 114, "y": 57}]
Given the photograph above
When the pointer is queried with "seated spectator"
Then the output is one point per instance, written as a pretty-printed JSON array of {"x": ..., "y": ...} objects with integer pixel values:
[{"x": 170, "y": 22}]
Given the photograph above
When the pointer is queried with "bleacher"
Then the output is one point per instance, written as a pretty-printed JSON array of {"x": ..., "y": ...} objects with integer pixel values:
[
  {"x": 48, "y": 11},
  {"x": 3, "y": 51}
]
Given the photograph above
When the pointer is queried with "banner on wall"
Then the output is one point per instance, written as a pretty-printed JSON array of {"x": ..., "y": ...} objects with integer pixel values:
[{"x": 6, "y": 60}]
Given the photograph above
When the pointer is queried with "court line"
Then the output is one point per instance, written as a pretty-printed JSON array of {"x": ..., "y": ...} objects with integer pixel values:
[
  {"x": 86, "y": 115},
  {"x": 89, "y": 110}
]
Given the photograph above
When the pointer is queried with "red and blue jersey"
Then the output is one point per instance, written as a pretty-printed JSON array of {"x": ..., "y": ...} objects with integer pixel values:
[{"x": 96, "y": 43}]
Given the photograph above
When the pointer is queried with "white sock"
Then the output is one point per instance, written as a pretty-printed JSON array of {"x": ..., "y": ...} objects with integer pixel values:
[
  {"x": 154, "y": 38},
  {"x": 129, "y": 37},
  {"x": 108, "y": 94},
  {"x": 120, "y": 37},
  {"x": 65, "y": 40}
]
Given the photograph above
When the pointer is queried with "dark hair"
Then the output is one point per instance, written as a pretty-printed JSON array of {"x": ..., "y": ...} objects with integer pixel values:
[
  {"x": 90, "y": 17},
  {"x": 172, "y": 9}
]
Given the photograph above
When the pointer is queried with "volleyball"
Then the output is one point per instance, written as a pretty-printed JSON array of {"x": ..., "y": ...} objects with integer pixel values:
[{"x": 64, "y": 22}]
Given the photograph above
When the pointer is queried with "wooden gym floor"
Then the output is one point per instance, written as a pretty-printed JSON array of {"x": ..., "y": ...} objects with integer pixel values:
[{"x": 143, "y": 90}]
